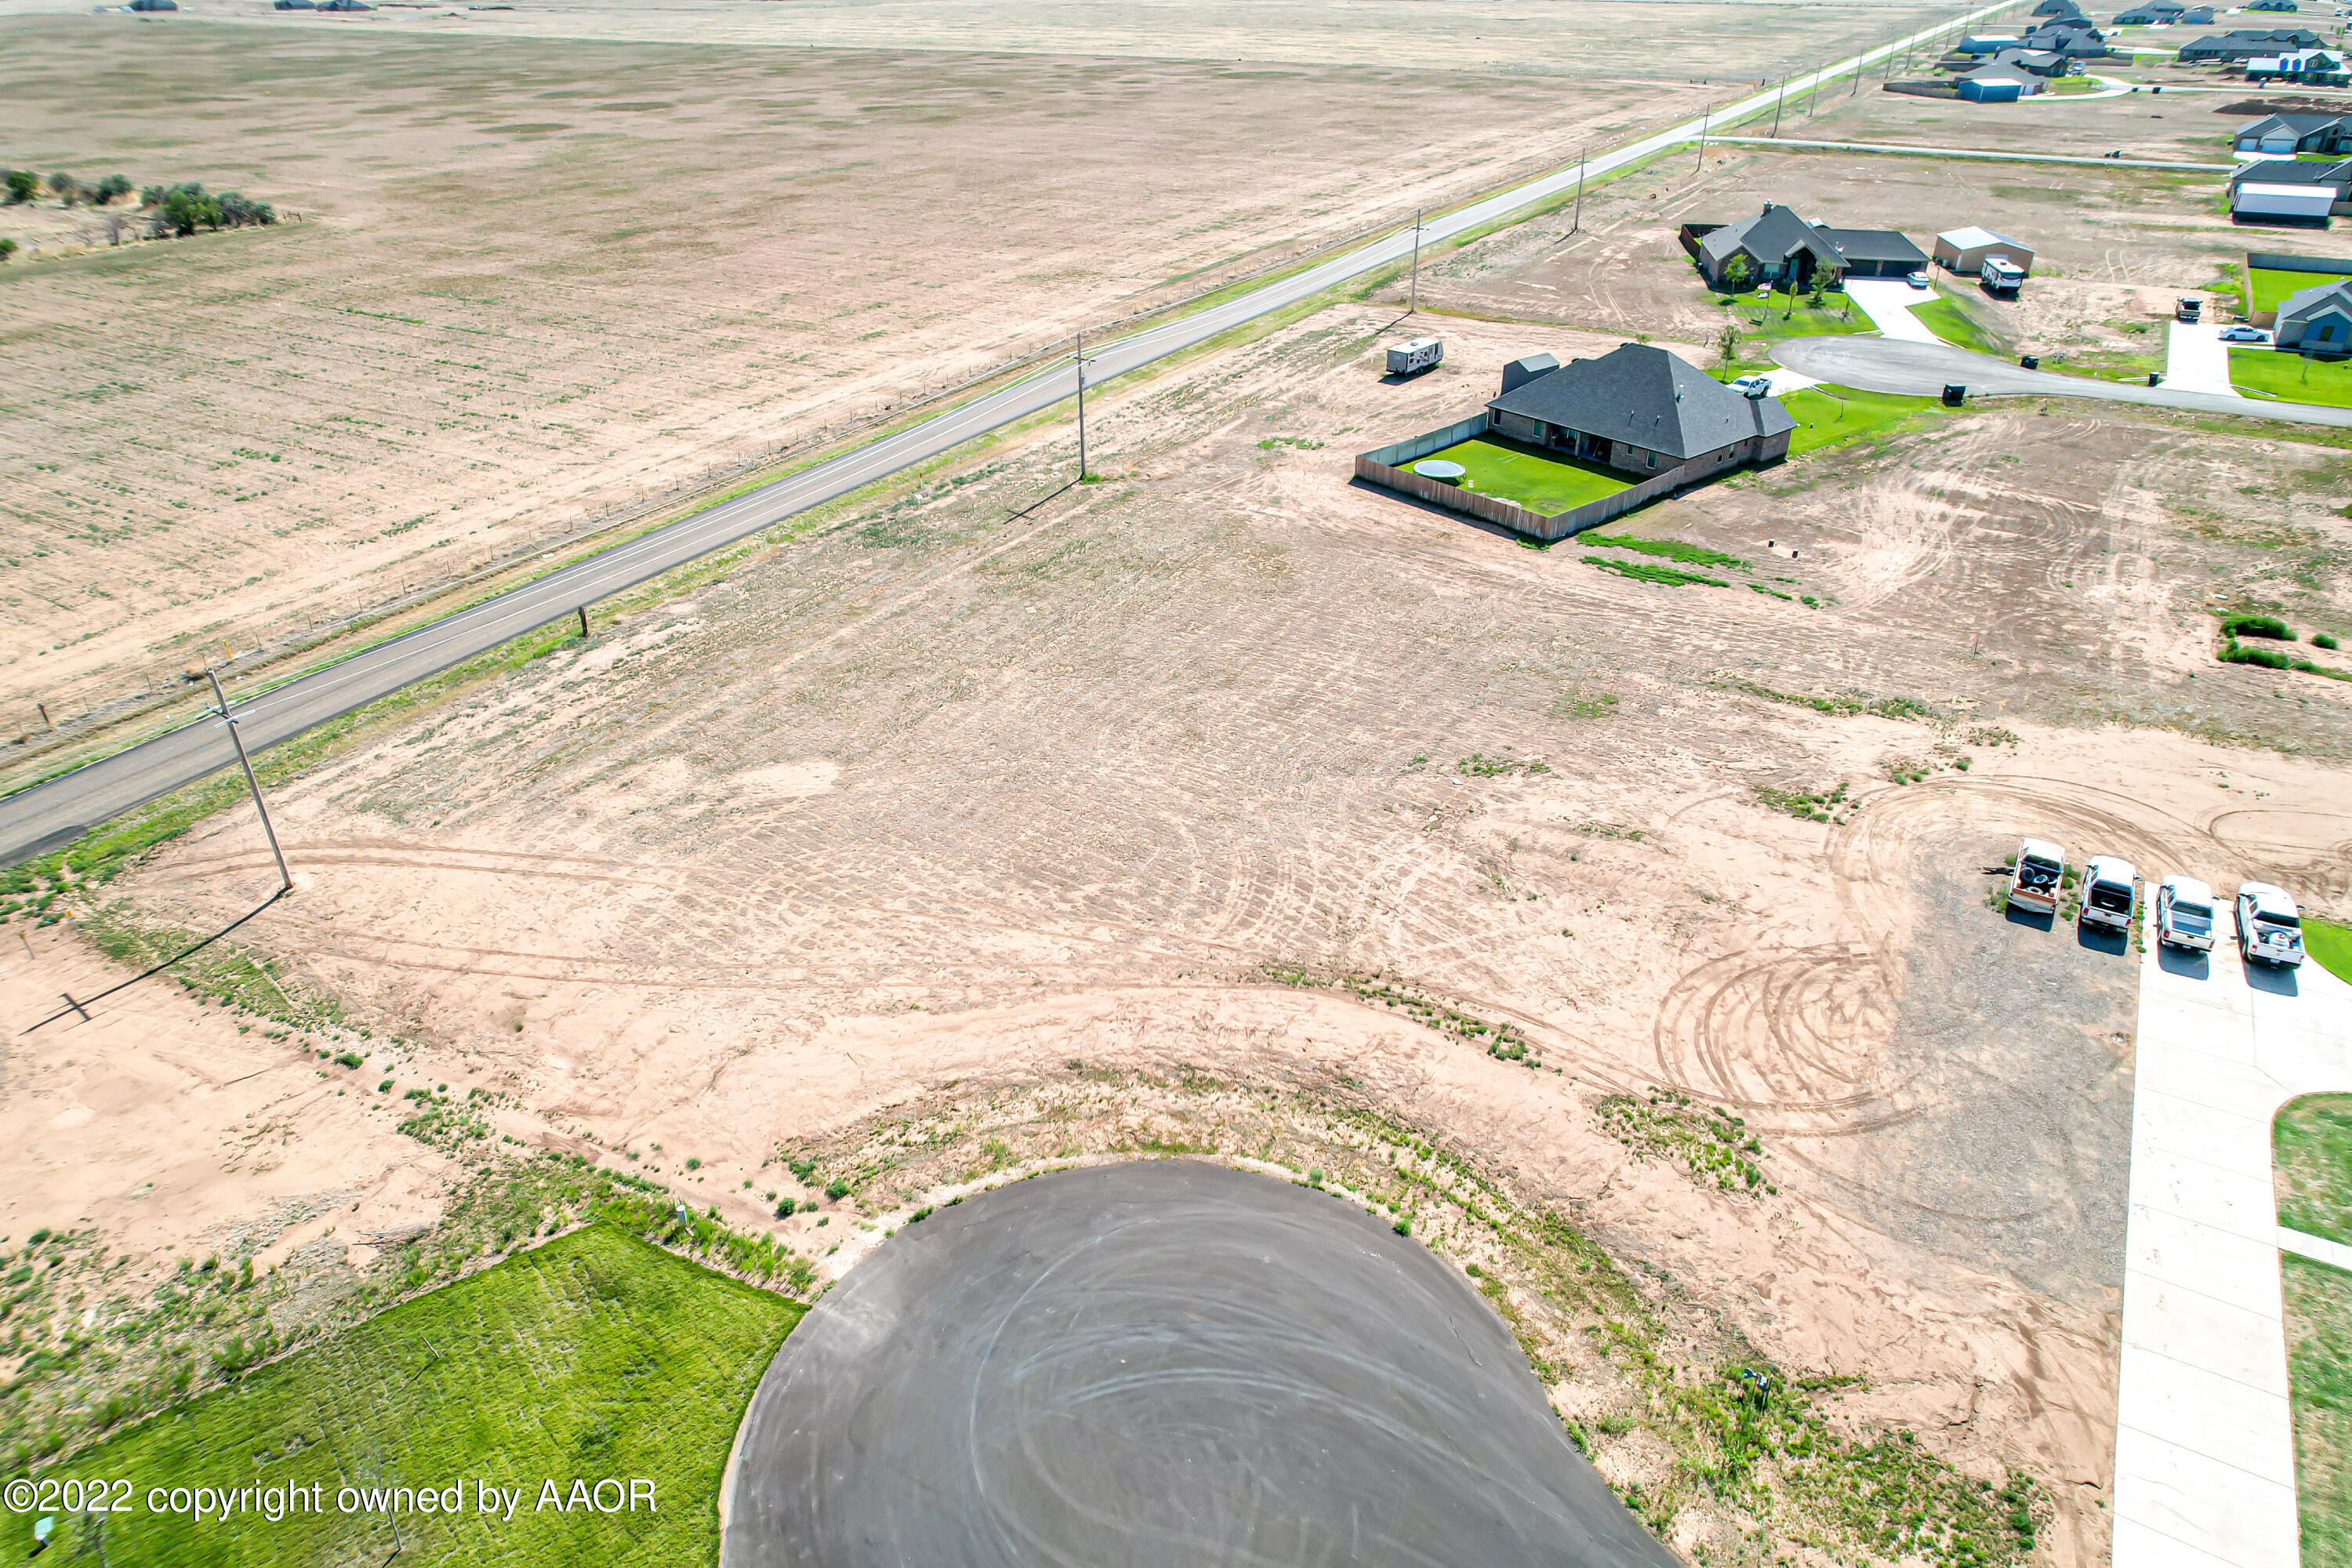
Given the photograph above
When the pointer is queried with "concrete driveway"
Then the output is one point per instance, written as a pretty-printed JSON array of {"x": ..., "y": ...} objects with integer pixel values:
[
  {"x": 2205, "y": 1470},
  {"x": 2197, "y": 359},
  {"x": 1880, "y": 364},
  {"x": 1887, "y": 302}
]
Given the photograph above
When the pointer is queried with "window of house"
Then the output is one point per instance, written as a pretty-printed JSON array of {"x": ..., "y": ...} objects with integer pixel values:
[{"x": 1654, "y": 460}]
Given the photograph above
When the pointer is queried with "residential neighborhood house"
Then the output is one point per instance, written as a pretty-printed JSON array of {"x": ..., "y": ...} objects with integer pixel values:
[
  {"x": 2243, "y": 43},
  {"x": 1778, "y": 247},
  {"x": 2058, "y": 8},
  {"x": 2301, "y": 175},
  {"x": 2034, "y": 62},
  {"x": 1998, "y": 84},
  {"x": 2274, "y": 6},
  {"x": 2317, "y": 320},
  {"x": 2283, "y": 135},
  {"x": 1640, "y": 409},
  {"x": 1966, "y": 250},
  {"x": 2314, "y": 68}
]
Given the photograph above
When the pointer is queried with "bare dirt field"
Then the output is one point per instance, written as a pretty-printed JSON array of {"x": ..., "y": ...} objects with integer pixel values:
[
  {"x": 538, "y": 278},
  {"x": 1716, "y": 41},
  {"x": 881, "y": 847}
]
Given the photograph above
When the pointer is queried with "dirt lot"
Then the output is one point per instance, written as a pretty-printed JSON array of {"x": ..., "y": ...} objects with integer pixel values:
[
  {"x": 1229, "y": 762},
  {"x": 539, "y": 278}
]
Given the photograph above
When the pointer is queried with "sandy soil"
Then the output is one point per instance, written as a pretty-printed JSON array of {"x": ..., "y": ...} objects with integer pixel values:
[
  {"x": 946, "y": 796},
  {"x": 176, "y": 1130},
  {"x": 543, "y": 279}
]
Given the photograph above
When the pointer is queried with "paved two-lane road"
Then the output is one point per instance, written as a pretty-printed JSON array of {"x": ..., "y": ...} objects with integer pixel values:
[{"x": 53, "y": 813}]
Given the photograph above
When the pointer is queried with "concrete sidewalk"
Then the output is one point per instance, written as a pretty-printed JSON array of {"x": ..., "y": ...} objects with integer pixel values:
[{"x": 2204, "y": 1435}]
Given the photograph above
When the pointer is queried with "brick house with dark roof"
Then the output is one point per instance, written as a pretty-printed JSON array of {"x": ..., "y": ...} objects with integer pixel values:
[{"x": 1642, "y": 410}]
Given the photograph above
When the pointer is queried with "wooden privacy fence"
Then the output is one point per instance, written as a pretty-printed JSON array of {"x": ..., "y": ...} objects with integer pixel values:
[{"x": 1384, "y": 466}]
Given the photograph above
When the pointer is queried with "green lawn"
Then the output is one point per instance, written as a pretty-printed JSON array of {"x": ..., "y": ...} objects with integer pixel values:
[
  {"x": 2311, "y": 1152},
  {"x": 1774, "y": 317},
  {"x": 1827, "y": 415},
  {"x": 2290, "y": 377},
  {"x": 1540, "y": 481},
  {"x": 1951, "y": 320},
  {"x": 2270, "y": 285},
  {"x": 2319, "y": 1382},
  {"x": 597, "y": 1356},
  {"x": 2329, "y": 945}
]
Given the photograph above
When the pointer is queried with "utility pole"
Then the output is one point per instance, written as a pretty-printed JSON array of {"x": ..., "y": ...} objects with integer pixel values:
[
  {"x": 1578, "y": 224},
  {"x": 1780, "y": 99},
  {"x": 285, "y": 877},
  {"x": 1701, "y": 167},
  {"x": 1413, "y": 303},
  {"x": 1082, "y": 405}
]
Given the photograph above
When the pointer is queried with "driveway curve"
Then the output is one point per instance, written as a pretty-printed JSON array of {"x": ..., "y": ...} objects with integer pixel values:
[
  {"x": 1161, "y": 1364},
  {"x": 1880, "y": 364}
]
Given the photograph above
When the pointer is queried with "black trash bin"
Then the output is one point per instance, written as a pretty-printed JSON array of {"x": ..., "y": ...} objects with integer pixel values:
[
  {"x": 1954, "y": 393},
  {"x": 2030, "y": 362},
  {"x": 2153, "y": 378}
]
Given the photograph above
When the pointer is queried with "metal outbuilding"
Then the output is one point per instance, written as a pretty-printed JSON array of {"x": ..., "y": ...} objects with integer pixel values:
[
  {"x": 1964, "y": 250},
  {"x": 2264, "y": 203}
]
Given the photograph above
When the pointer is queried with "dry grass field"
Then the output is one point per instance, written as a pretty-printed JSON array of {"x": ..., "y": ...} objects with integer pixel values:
[
  {"x": 1227, "y": 765},
  {"x": 538, "y": 278}
]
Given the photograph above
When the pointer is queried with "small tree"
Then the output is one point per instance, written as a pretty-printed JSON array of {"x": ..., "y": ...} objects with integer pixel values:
[
  {"x": 151, "y": 195},
  {"x": 22, "y": 185},
  {"x": 1736, "y": 275},
  {"x": 109, "y": 189},
  {"x": 7, "y": 248},
  {"x": 65, "y": 186},
  {"x": 185, "y": 206},
  {"x": 1727, "y": 345},
  {"x": 237, "y": 210}
]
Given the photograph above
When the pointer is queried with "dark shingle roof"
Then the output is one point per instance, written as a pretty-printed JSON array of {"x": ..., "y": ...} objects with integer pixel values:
[
  {"x": 2294, "y": 171},
  {"x": 1875, "y": 245},
  {"x": 1646, "y": 397},
  {"x": 1771, "y": 235}
]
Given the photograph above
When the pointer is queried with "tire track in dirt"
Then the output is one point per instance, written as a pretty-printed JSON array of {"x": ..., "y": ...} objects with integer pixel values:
[{"x": 1794, "y": 1039}]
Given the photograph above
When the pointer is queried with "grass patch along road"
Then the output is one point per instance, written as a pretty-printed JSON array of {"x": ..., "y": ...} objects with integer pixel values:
[
  {"x": 1950, "y": 320},
  {"x": 2311, "y": 1155},
  {"x": 1539, "y": 480},
  {"x": 2290, "y": 377},
  {"x": 597, "y": 1356},
  {"x": 1828, "y": 415},
  {"x": 2319, "y": 1383}
]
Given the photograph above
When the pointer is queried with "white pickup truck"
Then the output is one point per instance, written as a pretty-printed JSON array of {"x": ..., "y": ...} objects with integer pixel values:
[
  {"x": 2040, "y": 865},
  {"x": 2110, "y": 893},
  {"x": 2269, "y": 929},
  {"x": 2184, "y": 914}
]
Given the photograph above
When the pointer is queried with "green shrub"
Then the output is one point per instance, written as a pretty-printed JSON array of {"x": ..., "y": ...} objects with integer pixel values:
[
  {"x": 2323, "y": 639},
  {"x": 836, "y": 1189},
  {"x": 349, "y": 1058},
  {"x": 2257, "y": 627},
  {"x": 694, "y": 1164},
  {"x": 2268, "y": 658}
]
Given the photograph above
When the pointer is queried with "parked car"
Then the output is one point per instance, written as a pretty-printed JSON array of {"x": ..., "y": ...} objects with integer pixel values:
[
  {"x": 2187, "y": 308},
  {"x": 2184, "y": 914},
  {"x": 2110, "y": 893},
  {"x": 2039, "y": 867},
  {"x": 1752, "y": 384},
  {"x": 1917, "y": 280},
  {"x": 2243, "y": 334},
  {"x": 2269, "y": 929}
]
